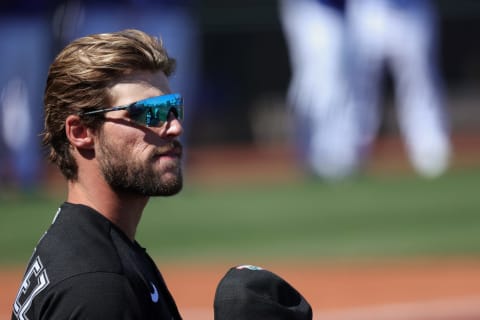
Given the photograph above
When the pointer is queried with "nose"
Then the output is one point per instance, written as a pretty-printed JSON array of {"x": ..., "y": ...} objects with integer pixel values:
[{"x": 173, "y": 127}]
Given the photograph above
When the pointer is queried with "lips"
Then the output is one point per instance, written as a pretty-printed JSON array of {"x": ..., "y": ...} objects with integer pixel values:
[
  {"x": 173, "y": 150},
  {"x": 174, "y": 153}
]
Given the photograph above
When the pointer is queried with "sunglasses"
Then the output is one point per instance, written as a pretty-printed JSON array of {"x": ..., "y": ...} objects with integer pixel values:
[{"x": 150, "y": 112}]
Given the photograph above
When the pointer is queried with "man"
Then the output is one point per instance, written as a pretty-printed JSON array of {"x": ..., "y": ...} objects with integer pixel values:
[{"x": 112, "y": 126}]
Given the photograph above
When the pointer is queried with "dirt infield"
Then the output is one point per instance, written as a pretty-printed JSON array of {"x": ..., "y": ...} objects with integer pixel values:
[{"x": 420, "y": 290}]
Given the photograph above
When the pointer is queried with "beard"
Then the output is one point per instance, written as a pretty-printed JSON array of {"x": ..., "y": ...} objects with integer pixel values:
[{"x": 130, "y": 175}]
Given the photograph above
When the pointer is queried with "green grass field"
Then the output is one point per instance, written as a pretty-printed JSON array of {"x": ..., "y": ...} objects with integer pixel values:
[{"x": 370, "y": 217}]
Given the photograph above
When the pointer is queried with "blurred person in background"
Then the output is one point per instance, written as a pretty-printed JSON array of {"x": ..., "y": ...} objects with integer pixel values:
[
  {"x": 112, "y": 126},
  {"x": 403, "y": 36},
  {"x": 24, "y": 56},
  {"x": 315, "y": 33}
]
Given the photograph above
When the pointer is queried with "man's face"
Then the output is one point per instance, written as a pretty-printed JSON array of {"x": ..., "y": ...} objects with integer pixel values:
[{"x": 137, "y": 159}]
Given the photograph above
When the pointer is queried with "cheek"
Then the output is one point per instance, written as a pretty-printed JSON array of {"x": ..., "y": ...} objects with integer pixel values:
[
  {"x": 122, "y": 143},
  {"x": 137, "y": 147},
  {"x": 127, "y": 141}
]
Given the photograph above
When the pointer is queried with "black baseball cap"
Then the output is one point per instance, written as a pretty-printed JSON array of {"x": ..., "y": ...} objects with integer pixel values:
[{"x": 248, "y": 292}]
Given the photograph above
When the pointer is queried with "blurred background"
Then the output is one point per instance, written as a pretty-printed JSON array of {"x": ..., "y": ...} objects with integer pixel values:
[
  {"x": 317, "y": 132},
  {"x": 238, "y": 71}
]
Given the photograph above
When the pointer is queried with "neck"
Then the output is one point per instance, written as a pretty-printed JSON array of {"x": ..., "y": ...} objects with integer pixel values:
[{"x": 122, "y": 209}]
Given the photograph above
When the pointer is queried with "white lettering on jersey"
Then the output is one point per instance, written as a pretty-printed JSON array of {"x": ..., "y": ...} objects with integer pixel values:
[
  {"x": 35, "y": 280},
  {"x": 56, "y": 215}
]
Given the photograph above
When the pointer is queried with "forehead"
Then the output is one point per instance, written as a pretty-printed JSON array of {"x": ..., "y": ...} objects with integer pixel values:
[{"x": 138, "y": 85}]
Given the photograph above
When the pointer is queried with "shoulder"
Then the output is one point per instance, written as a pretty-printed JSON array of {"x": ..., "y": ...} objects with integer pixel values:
[{"x": 78, "y": 242}]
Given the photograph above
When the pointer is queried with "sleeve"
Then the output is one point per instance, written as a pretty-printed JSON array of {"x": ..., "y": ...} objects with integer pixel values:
[{"x": 90, "y": 296}]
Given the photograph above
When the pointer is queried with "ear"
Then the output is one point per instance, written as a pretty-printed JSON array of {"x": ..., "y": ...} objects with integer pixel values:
[{"x": 78, "y": 134}]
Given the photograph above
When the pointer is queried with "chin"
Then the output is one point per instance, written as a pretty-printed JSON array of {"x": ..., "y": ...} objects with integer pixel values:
[{"x": 171, "y": 185}]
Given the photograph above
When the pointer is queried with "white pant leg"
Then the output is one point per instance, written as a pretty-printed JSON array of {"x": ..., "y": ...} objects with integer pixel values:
[
  {"x": 367, "y": 22},
  {"x": 318, "y": 88},
  {"x": 420, "y": 108}
]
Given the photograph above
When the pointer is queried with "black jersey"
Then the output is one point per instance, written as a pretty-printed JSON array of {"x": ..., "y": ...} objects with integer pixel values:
[{"x": 84, "y": 267}]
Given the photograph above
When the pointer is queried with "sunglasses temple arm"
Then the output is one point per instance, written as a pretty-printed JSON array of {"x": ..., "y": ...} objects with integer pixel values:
[{"x": 106, "y": 110}]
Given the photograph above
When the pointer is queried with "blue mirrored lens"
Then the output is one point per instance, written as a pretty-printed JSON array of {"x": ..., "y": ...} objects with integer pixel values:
[{"x": 154, "y": 111}]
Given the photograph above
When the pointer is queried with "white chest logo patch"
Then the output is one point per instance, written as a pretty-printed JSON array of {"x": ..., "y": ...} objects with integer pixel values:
[{"x": 154, "y": 294}]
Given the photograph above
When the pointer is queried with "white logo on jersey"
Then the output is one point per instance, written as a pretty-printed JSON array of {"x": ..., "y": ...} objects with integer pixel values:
[
  {"x": 154, "y": 294},
  {"x": 249, "y": 267},
  {"x": 27, "y": 292}
]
